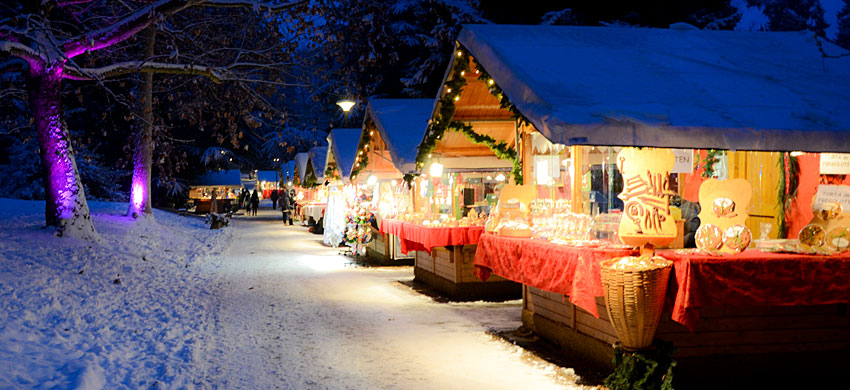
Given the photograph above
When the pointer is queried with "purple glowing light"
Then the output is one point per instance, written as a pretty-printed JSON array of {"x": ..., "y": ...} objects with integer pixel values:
[{"x": 138, "y": 195}]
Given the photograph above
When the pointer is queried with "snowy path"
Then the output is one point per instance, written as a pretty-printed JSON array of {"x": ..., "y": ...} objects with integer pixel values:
[{"x": 294, "y": 314}]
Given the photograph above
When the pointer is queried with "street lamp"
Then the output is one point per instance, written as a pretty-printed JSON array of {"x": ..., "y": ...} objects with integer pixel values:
[{"x": 346, "y": 104}]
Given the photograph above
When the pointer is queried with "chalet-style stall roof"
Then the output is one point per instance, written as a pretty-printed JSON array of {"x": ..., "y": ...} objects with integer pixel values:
[
  {"x": 342, "y": 149},
  {"x": 318, "y": 155},
  {"x": 677, "y": 87},
  {"x": 301, "y": 162},
  {"x": 400, "y": 124}
]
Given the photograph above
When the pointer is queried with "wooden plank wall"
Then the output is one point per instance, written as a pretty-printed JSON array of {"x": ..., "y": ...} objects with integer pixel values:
[
  {"x": 455, "y": 265},
  {"x": 721, "y": 331}
]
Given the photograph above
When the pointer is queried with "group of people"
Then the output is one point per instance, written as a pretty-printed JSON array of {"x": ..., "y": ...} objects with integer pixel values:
[
  {"x": 250, "y": 201},
  {"x": 284, "y": 198}
]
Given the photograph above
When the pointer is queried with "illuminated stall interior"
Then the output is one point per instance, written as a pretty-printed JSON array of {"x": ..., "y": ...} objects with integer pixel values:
[
  {"x": 227, "y": 185},
  {"x": 387, "y": 151},
  {"x": 459, "y": 175}
]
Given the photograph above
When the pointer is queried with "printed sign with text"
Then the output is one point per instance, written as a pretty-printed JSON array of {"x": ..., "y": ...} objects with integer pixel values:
[{"x": 834, "y": 164}]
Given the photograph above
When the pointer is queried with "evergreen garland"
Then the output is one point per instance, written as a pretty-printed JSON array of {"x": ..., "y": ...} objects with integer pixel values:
[
  {"x": 442, "y": 120},
  {"x": 708, "y": 162},
  {"x": 362, "y": 159},
  {"x": 649, "y": 369},
  {"x": 789, "y": 181}
]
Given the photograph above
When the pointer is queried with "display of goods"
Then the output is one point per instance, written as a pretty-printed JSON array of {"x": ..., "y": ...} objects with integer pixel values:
[
  {"x": 737, "y": 238},
  {"x": 812, "y": 235},
  {"x": 635, "y": 289},
  {"x": 838, "y": 239}
]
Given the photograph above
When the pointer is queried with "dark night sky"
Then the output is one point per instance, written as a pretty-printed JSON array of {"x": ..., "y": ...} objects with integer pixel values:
[{"x": 653, "y": 13}]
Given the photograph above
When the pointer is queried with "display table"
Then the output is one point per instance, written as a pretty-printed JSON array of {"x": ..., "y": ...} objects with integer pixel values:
[
  {"x": 567, "y": 270},
  {"x": 415, "y": 237},
  {"x": 754, "y": 308},
  {"x": 756, "y": 278},
  {"x": 315, "y": 210},
  {"x": 444, "y": 260}
]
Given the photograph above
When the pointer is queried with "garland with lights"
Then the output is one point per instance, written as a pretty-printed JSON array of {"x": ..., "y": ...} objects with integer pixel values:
[
  {"x": 708, "y": 162},
  {"x": 789, "y": 167},
  {"x": 331, "y": 171},
  {"x": 362, "y": 159},
  {"x": 443, "y": 122}
]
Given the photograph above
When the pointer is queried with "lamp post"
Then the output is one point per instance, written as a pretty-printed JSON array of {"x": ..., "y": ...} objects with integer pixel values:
[{"x": 346, "y": 105}]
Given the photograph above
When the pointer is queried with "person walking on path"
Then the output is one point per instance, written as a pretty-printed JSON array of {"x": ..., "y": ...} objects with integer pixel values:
[
  {"x": 274, "y": 197},
  {"x": 255, "y": 203},
  {"x": 286, "y": 206}
]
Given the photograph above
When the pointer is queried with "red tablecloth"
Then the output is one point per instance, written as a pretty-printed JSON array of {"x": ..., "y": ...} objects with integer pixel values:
[
  {"x": 415, "y": 237},
  {"x": 755, "y": 278},
  {"x": 391, "y": 226},
  {"x": 572, "y": 271}
]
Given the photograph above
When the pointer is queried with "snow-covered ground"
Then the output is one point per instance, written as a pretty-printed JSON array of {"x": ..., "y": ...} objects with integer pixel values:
[{"x": 257, "y": 305}]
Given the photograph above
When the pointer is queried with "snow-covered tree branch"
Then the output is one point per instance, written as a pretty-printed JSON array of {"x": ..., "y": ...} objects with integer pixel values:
[{"x": 128, "y": 67}]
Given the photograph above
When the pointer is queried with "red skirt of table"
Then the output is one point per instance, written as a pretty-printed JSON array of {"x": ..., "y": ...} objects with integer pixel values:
[
  {"x": 415, "y": 237},
  {"x": 568, "y": 270},
  {"x": 755, "y": 278},
  {"x": 751, "y": 278}
]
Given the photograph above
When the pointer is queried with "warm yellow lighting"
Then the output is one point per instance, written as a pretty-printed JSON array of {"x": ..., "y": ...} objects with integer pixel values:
[
  {"x": 457, "y": 97},
  {"x": 459, "y": 53},
  {"x": 289, "y": 183},
  {"x": 797, "y": 154},
  {"x": 476, "y": 71},
  {"x": 346, "y": 104},
  {"x": 366, "y": 146},
  {"x": 463, "y": 73},
  {"x": 436, "y": 169},
  {"x": 429, "y": 155},
  {"x": 449, "y": 90},
  {"x": 491, "y": 82},
  {"x": 500, "y": 177},
  {"x": 372, "y": 180},
  {"x": 361, "y": 152},
  {"x": 489, "y": 177},
  {"x": 372, "y": 132},
  {"x": 394, "y": 183}
]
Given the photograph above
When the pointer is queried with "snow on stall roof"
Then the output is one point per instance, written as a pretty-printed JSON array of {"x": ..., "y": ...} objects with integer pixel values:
[
  {"x": 267, "y": 176},
  {"x": 318, "y": 156},
  {"x": 218, "y": 178},
  {"x": 402, "y": 124},
  {"x": 671, "y": 87},
  {"x": 301, "y": 160},
  {"x": 344, "y": 144}
]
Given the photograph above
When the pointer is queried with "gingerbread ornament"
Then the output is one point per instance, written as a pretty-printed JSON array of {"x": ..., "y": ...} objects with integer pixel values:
[{"x": 724, "y": 208}]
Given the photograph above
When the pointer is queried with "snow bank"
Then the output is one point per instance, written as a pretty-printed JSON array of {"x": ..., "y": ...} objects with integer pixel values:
[{"x": 132, "y": 313}]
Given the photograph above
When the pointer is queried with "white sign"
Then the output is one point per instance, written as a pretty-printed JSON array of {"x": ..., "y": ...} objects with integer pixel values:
[
  {"x": 684, "y": 160},
  {"x": 832, "y": 193},
  {"x": 834, "y": 164}
]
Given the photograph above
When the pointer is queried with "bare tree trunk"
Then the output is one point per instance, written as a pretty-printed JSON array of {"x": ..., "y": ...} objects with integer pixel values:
[
  {"x": 140, "y": 191},
  {"x": 65, "y": 200}
]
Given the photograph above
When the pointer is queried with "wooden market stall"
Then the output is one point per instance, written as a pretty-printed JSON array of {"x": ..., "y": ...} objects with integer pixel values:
[
  {"x": 312, "y": 183},
  {"x": 464, "y": 158},
  {"x": 734, "y": 105},
  {"x": 268, "y": 181},
  {"x": 225, "y": 183},
  {"x": 342, "y": 147},
  {"x": 387, "y": 151}
]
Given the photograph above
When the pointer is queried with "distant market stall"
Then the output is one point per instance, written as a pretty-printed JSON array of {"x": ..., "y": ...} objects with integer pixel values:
[
  {"x": 342, "y": 147},
  {"x": 386, "y": 152},
  {"x": 225, "y": 185},
  {"x": 764, "y": 112},
  {"x": 315, "y": 192},
  {"x": 269, "y": 181}
]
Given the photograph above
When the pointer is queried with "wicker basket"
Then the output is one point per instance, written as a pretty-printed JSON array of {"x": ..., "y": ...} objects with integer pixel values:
[{"x": 634, "y": 300}]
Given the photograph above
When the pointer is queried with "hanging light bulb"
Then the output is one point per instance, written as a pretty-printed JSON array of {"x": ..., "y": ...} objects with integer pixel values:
[
  {"x": 463, "y": 73},
  {"x": 491, "y": 82},
  {"x": 449, "y": 90},
  {"x": 436, "y": 169},
  {"x": 372, "y": 180},
  {"x": 459, "y": 53}
]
